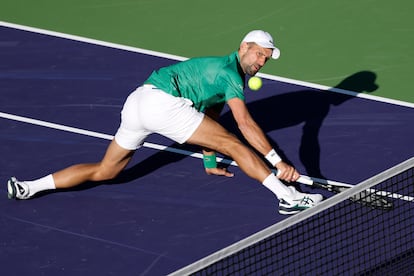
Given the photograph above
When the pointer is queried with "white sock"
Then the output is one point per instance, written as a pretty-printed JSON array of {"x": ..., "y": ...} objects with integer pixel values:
[
  {"x": 41, "y": 184},
  {"x": 276, "y": 186}
]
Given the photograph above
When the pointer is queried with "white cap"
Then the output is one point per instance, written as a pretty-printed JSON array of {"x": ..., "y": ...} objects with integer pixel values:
[{"x": 263, "y": 39}]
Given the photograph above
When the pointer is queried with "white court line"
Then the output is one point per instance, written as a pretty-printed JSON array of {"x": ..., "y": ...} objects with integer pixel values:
[
  {"x": 102, "y": 135},
  {"x": 166, "y": 148},
  {"x": 180, "y": 58}
]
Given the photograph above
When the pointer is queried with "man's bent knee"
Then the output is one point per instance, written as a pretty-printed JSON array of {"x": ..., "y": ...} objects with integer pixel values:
[{"x": 104, "y": 173}]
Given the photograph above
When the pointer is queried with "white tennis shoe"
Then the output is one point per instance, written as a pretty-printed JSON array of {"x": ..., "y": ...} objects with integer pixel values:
[
  {"x": 17, "y": 190},
  {"x": 298, "y": 202}
]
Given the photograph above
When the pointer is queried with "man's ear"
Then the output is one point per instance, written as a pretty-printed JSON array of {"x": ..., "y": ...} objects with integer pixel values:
[{"x": 244, "y": 47}]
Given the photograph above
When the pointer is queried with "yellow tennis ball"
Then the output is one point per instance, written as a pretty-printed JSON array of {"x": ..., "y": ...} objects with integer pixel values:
[{"x": 255, "y": 83}]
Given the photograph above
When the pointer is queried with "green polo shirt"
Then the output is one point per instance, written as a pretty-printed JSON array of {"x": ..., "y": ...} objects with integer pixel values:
[{"x": 206, "y": 81}]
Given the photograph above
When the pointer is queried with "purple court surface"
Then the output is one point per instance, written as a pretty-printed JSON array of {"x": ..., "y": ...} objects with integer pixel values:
[{"x": 163, "y": 212}]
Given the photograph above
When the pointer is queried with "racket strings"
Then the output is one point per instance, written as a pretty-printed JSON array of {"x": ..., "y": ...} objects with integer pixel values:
[
  {"x": 367, "y": 198},
  {"x": 373, "y": 200}
]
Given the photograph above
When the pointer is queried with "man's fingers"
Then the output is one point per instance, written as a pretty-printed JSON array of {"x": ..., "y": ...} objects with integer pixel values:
[
  {"x": 287, "y": 173},
  {"x": 220, "y": 171}
]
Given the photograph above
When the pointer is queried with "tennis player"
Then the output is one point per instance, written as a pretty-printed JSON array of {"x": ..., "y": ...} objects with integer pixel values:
[{"x": 183, "y": 102}]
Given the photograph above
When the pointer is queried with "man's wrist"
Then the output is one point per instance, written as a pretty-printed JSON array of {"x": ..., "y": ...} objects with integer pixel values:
[
  {"x": 273, "y": 157},
  {"x": 210, "y": 161}
]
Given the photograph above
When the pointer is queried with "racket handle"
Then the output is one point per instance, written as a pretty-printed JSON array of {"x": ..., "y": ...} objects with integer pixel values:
[
  {"x": 305, "y": 180},
  {"x": 302, "y": 179}
]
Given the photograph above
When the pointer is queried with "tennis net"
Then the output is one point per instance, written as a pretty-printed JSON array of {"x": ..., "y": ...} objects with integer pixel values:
[{"x": 336, "y": 237}]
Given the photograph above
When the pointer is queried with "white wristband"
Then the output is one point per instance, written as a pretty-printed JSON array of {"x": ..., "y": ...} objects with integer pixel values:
[{"x": 273, "y": 157}]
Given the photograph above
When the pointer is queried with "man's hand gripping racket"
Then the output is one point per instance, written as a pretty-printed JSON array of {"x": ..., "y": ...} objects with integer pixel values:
[{"x": 367, "y": 197}]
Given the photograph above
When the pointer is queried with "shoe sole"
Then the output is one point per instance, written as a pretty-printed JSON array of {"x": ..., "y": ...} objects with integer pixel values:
[
  {"x": 290, "y": 211},
  {"x": 11, "y": 189}
]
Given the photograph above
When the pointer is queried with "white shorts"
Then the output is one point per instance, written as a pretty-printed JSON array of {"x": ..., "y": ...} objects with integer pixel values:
[{"x": 150, "y": 110}]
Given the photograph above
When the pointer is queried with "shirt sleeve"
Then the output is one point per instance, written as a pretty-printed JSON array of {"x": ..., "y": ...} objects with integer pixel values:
[{"x": 232, "y": 87}]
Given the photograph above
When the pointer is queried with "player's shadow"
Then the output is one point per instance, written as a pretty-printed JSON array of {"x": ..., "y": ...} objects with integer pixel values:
[{"x": 307, "y": 107}]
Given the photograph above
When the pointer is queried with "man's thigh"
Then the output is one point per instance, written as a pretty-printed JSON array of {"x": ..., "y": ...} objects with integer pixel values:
[{"x": 211, "y": 134}]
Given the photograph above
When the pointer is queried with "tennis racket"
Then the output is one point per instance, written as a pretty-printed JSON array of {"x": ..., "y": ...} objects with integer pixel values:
[{"x": 368, "y": 197}]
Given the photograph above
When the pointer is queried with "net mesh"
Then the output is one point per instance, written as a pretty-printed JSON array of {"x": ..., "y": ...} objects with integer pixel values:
[{"x": 346, "y": 238}]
